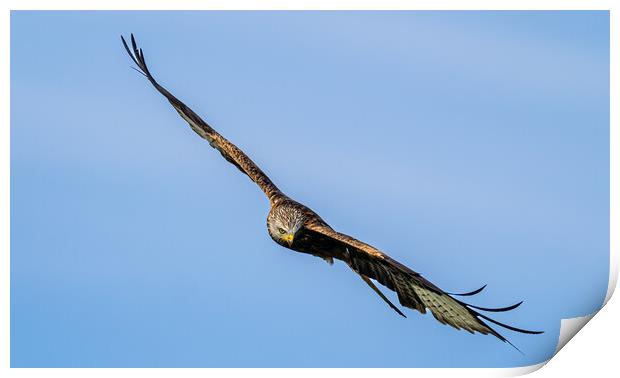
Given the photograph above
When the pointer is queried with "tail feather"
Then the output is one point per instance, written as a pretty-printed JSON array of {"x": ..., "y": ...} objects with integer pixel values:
[
  {"x": 469, "y": 293},
  {"x": 497, "y": 309},
  {"x": 385, "y": 299},
  {"x": 503, "y": 325}
]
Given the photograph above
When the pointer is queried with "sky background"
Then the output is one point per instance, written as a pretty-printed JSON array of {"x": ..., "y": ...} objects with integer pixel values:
[{"x": 471, "y": 146}]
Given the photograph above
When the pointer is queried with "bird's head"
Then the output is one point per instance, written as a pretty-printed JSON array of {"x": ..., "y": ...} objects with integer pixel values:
[{"x": 283, "y": 224}]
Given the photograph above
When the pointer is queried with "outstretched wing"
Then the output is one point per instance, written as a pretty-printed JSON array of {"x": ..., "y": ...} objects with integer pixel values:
[
  {"x": 413, "y": 290},
  {"x": 228, "y": 150}
]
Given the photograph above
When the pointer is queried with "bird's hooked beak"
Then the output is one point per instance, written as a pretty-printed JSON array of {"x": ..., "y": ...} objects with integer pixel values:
[{"x": 289, "y": 239}]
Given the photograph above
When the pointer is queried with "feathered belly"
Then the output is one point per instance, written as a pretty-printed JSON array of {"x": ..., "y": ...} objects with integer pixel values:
[{"x": 310, "y": 243}]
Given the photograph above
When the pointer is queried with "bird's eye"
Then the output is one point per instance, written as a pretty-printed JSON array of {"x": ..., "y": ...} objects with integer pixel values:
[{"x": 281, "y": 230}]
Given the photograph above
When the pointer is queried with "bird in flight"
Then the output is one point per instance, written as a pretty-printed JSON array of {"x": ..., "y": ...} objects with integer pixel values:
[{"x": 297, "y": 227}]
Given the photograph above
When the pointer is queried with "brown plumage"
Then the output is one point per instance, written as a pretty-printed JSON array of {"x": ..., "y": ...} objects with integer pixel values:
[{"x": 297, "y": 227}]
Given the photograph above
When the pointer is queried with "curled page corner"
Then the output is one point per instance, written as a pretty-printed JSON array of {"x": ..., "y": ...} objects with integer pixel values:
[{"x": 569, "y": 328}]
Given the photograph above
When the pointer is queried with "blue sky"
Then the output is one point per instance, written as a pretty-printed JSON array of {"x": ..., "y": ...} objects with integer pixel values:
[{"x": 471, "y": 146}]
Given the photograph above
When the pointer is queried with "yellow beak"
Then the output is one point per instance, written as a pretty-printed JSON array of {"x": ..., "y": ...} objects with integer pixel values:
[{"x": 289, "y": 239}]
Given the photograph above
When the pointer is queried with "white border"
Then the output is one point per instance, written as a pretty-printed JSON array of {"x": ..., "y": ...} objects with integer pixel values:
[
  {"x": 311, "y": 5},
  {"x": 614, "y": 166},
  {"x": 292, "y": 5}
]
